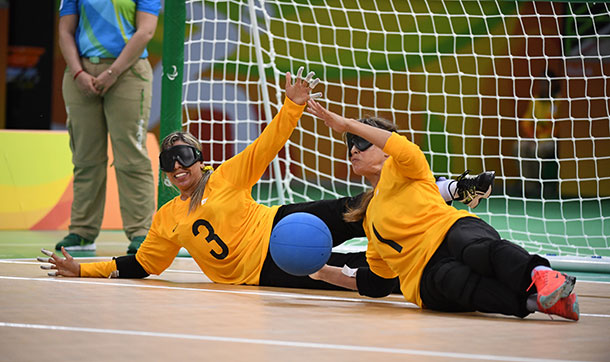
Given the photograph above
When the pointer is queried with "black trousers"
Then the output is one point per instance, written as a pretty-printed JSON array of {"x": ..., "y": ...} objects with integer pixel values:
[
  {"x": 331, "y": 212},
  {"x": 475, "y": 270}
]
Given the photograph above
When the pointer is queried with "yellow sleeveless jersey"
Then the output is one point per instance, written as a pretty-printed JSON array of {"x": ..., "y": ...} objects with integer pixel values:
[
  {"x": 407, "y": 218},
  {"x": 228, "y": 234}
]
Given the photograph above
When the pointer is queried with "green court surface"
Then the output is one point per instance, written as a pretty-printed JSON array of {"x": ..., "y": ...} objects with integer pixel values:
[
  {"x": 26, "y": 244},
  {"x": 17, "y": 244}
]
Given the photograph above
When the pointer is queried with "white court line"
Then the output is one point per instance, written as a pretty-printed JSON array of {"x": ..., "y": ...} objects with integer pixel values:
[
  {"x": 241, "y": 292},
  {"x": 271, "y": 342},
  {"x": 595, "y": 315},
  {"x": 19, "y": 244}
]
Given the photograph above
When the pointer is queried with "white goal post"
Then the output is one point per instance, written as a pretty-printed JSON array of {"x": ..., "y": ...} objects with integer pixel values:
[{"x": 516, "y": 87}]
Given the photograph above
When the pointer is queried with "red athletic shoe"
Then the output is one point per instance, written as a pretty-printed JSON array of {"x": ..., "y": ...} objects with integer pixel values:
[
  {"x": 552, "y": 286},
  {"x": 565, "y": 307}
]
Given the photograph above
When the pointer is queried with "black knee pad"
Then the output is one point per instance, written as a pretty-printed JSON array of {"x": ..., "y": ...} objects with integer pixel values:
[
  {"x": 478, "y": 255},
  {"x": 456, "y": 282}
]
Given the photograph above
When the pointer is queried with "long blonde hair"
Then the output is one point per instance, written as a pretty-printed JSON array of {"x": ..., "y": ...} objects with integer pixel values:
[
  {"x": 358, "y": 212},
  {"x": 206, "y": 171}
]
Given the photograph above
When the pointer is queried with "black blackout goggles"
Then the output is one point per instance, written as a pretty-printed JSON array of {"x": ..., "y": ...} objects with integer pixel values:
[
  {"x": 184, "y": 154},
  {"x": 353, "y": 140}
]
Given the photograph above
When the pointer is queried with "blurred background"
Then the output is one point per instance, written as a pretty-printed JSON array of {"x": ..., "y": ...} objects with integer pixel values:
[{"x": 31, "y": 66}]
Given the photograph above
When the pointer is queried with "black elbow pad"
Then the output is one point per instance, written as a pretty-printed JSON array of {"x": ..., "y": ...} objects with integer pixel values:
[
  {"x": 371, "y": 285},
  {"x": 129, "y": 267}
]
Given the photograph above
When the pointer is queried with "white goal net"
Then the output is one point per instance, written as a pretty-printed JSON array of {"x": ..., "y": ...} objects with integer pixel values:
[{"x": 516, "y": 87}]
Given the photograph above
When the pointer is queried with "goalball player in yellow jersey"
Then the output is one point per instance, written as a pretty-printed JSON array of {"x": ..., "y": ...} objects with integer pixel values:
[
  {"x": 216, "y": 219},
  {"x": 446, "y": 259}
]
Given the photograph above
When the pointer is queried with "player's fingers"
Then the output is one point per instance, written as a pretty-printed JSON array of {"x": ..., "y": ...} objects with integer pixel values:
[
  {"x": 52, "y": 274},
  {"x": 300, "y": 72},
  {"x": 309, "y": 76},
  {"x": 44, "y": 260},
  {"x": 46, "y": 252},
  {"x": 312, "y": 105},
  {"x": 48, "y": 267},
  {"x": 288, "y": 80},
  {"x": 314, "y": 83},
  {"x": 315, "y": 95},
  {"x": 68, "y": 256}
]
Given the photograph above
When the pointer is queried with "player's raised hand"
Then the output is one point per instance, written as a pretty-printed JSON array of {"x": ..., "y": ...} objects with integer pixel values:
[
  {"x": 66, "y": 267},
  {"x": 331, "y": 119},
  {"x": 299, "y": 90}
]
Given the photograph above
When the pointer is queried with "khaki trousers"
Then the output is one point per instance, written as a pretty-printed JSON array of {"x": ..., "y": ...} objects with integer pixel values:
[{"x": 122, "y": 113}]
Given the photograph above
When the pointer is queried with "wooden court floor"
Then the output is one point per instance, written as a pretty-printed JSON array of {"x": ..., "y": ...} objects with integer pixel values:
[{"x": 181, "y": 316}]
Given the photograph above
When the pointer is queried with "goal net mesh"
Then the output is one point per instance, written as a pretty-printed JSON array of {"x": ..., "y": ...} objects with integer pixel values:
[{"x": 520, "y": 88}]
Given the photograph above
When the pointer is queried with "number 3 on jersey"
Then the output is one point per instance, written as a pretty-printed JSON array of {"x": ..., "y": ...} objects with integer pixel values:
[{"x": 211, "y": 237}]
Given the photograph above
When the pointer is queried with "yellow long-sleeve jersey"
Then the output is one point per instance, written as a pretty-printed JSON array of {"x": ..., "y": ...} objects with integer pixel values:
[
  {"x": 228, "y": 234},
  {"x": 407, "y": 218}
]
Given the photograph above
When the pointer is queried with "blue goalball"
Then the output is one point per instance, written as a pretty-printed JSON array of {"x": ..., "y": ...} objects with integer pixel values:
[{"x": 300, "y": 244}]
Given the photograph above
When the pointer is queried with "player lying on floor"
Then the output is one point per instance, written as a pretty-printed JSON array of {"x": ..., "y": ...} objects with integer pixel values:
[
  {"x": 446, "y": 259},
  {"x": 216, "y": 219}
]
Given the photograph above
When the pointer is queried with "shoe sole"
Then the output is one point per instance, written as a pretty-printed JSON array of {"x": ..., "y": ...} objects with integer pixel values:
[
  {"x": 90, "y": 247},
  {"x": 475, "y": 200},
  {"x": 562, "y": 292},
  {"x": 576, "y": 309},
  {"x": 482, "y": 195}
]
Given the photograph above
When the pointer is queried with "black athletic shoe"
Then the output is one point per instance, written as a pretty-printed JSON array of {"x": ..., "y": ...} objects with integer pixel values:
[{"x": 471, "y": 189}]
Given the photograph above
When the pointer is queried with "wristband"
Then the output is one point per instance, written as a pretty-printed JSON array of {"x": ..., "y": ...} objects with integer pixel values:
[{"x": 77, "y": 73}]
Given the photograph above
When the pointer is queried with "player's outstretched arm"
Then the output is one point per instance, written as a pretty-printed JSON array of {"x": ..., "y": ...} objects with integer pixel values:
[
  {"x": 67, "y": 267},
  {"x": 362, "y": 279},
  {"x": 338, "y": 123},
  {"x": 334, "y": 275},
  {"x": 331, "y": 119}
]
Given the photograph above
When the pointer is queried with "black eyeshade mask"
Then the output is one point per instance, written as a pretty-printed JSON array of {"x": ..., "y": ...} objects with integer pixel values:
[
  {"x": 184, "y": 154},
  {"x": 359, "y": 142}
]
